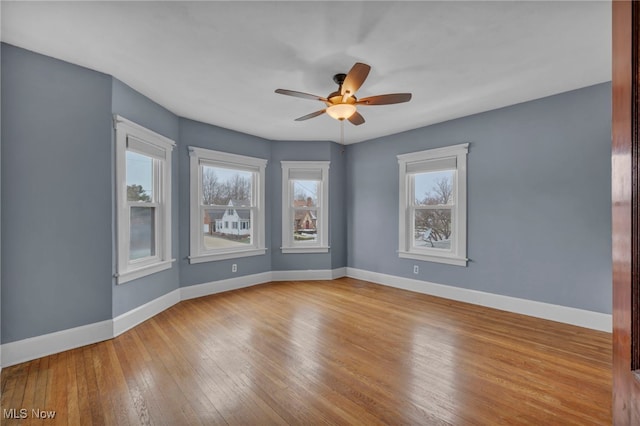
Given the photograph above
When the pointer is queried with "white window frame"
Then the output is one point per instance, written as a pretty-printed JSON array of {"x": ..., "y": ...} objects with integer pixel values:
[
  {"x": 202, "y": 156},
  {"x": 133, "y": 137},
  {"x": 289, "y": 245},
  {"x": 419, "y": 162}
]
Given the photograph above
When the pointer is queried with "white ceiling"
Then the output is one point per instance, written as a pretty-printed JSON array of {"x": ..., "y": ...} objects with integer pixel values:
[{"x": 220, "y": 62}]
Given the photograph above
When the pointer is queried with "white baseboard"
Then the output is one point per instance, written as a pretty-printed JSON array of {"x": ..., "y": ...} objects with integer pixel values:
[
  {"x": 130, "y": 319},
  {"x": 60, "y": 341},
  {"x": 39, "y": 346},
  {"x": 338, "y": 273},
  {"x": 47, "y": 344},
  {"x": 308, "y": 274},
  {"x": 214, "y": 287},
  {"x": 564, "y": 314}
]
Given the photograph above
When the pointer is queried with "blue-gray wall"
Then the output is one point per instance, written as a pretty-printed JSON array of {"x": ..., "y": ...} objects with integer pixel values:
[
  {"x": 56, "y": 203},
  {"x": 133, "y": 106},
  {"x": 338, "y": 207},
  {"x": 193, "y": 133},
  {"x": 539, "y": 200}
]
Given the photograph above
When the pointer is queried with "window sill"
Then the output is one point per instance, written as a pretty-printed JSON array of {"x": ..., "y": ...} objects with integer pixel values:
[
  {"x": 226, "y": 255},
  {"x": 449, "y": 260},
  {"x": 134, "y": 274},
  {"x": 314, "y": 249}
]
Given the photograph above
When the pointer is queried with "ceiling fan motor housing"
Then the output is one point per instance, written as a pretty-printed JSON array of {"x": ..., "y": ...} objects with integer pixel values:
[
  {"x": 336, "y": 97},
  {"x": 339, "y": 79}
]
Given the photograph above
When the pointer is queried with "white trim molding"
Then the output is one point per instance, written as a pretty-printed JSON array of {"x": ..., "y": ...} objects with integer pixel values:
[
  {"x": 59, "y": 341},
  {"x": 138, "y": 315},
  {"x": 316, "y": 171},
  {"x": 214, "y": 287},
  {"x": 314, "y": 249},
  {"x": 35, "y": 347},
  {"x": 338, "y": 273},
  {"x": 226, "y": 255},
  {"x": 580, "y": 317},
  {"x": 202, "y": 157},
  {"x": 143, "y": 271},
  {"x": 220, "y": 286},
  {"x": 133, "y": 138},
  {"x": 450, "y": 159},
  {"x": 308, "y": 275}
]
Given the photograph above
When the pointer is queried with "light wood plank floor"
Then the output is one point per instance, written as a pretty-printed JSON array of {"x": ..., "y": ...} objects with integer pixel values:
[{"x": 325, "y": 352}]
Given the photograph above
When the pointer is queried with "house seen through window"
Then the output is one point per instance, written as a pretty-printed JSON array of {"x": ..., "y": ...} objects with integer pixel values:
[
  {"x": 226, "y": 197},
  {"x": 305, "y": 211},
  {"x": 227, "y": 205}
]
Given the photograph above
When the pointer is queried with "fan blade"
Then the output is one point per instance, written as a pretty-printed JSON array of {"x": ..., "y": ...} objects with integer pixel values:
[
  {"x": 301, "y": 95},
  {"x": 354, "y": 79},
  {"x": 393, "y": 98},
  {"x": 308, "y": 116},
  {"x": 356, "y": 119}
]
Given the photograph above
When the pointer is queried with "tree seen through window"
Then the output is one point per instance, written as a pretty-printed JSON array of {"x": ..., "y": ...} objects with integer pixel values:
[{"x": 434, "y": 202}]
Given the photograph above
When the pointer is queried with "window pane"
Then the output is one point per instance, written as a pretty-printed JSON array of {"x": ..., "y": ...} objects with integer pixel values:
[
  {"x": 224, "y": 228},
  {"x": 433, "y": 229},
  {"x": 222, "y": 186},
  {"x": 304, "y": 225},
  {"x": 305, "y": 193},
  {"x": 142, "y": 240},
  {"x": 434, "y": 188},
  {"x": 139, "y": 177}
]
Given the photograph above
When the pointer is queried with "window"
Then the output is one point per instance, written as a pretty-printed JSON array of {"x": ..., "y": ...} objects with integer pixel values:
[
  {"x": 143, "y": 201},
  {"x": 226, "y": 189},
  {"x": 305, "y": 206},
  {"x": 433, "y": 198}
]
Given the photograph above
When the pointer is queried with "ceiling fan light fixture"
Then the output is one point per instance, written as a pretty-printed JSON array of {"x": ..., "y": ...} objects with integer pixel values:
[
  {"x": 341, "y": 104},
  {"x": 341, "y": 111}
]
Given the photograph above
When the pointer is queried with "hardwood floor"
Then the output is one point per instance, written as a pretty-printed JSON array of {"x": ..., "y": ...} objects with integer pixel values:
[{"x": 324, "y": 352}]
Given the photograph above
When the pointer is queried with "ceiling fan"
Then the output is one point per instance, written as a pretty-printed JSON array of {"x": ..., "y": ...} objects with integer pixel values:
[{"x": 342, "y": 104}]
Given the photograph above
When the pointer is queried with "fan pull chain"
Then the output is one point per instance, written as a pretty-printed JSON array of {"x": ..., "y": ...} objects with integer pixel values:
[{"x": 342, "y": 132}]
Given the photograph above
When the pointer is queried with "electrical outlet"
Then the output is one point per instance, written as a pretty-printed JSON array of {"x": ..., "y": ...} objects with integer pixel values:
[
  {"x": 416, "y": 269},
  {"x": 234, "y": 267}
]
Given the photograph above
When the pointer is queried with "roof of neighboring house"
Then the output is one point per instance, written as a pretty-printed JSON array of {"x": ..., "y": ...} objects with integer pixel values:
[
  {"x": 213, "y": 215},
  {"x": 301, "y": 214},
  {"x": 303, "y": 203},
  {"x": 244, "y": 214}
]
